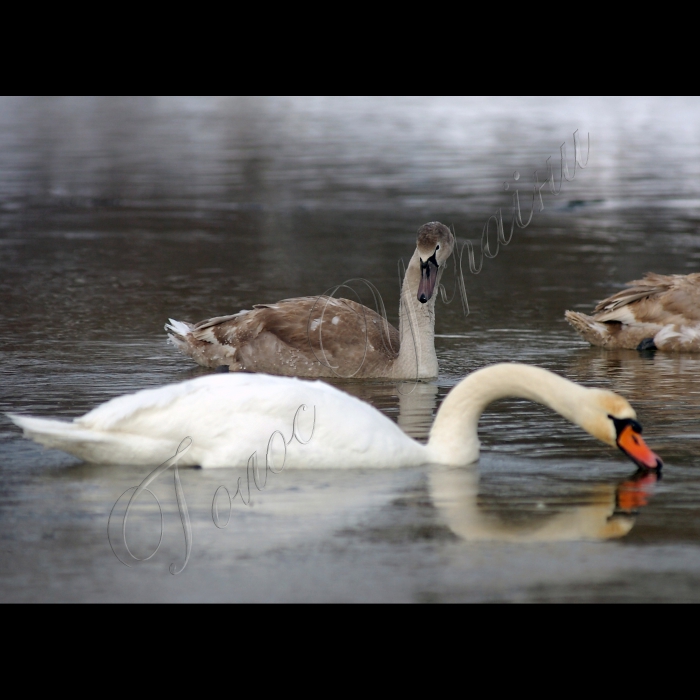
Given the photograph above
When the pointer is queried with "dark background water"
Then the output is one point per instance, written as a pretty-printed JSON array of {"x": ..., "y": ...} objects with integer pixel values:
[{"x": 117, "y": 213}]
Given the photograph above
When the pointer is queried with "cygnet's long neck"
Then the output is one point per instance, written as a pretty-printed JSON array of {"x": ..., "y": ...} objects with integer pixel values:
[
  {"x": 454, "y": 439},
  {"x": 417, "y": 358}
]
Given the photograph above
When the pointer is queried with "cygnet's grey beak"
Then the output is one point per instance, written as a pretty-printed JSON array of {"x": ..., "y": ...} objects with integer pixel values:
[{"x": 428, "y": 278}]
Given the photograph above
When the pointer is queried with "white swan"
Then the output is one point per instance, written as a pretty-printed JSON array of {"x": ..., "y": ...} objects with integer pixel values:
[
  {"x": 230, "y": 416},
  {"x": 328, "y": 337}
]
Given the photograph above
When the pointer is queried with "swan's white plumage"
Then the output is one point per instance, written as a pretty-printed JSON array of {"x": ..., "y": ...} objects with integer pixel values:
[
  {"x": 228, "y": 417},
  {"x": 177, "y": 327}
]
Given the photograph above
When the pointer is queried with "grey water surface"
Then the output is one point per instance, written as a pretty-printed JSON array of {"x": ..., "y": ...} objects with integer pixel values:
[{"x": 118, "y": 213}]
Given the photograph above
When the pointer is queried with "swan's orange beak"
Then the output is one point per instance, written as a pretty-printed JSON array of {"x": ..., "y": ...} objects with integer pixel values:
[
  {"x": 630, "y": 442},
  {"x": 428, "y": 278}
]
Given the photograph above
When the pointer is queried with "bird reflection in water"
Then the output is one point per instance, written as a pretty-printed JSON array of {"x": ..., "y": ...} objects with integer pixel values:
[
  {"x": 607, "y": 512},
  {"x": 416, "y": 408},
  {"x": 417, "y": 402}
]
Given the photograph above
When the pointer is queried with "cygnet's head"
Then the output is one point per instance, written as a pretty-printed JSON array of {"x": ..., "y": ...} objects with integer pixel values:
[
  {"x": 435, "y": 243},
  {"x": 611, "y": 419}
]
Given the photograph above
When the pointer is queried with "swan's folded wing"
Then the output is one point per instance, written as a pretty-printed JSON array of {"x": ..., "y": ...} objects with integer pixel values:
[
  {"x": 119, "y": 412},
  {"x": 218, "y": 320},
  {"x": 205, "y": 401},
  {"x": 323, "y": 324},
  {"x": 651, "y": 285},
  {"x": 659, "y": 299}
]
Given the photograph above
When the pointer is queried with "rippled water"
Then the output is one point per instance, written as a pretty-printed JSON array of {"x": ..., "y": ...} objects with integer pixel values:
[{"x": 116, "y": 214}]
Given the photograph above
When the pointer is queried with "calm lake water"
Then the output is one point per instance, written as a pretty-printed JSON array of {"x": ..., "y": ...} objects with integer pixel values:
[{"x": 118, "y": 213}]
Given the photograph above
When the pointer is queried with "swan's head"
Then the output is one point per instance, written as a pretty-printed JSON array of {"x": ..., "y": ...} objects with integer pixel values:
[
  {"x": 435, "y": 244},
  {"x": 612, "y": 420}
]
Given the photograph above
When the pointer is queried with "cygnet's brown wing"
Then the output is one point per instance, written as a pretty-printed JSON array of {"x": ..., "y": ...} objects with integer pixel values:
[
  {"x": 659, "y": 311},
  {"x": 657, "y": 299},
  {"x": 306, "y": 336}
]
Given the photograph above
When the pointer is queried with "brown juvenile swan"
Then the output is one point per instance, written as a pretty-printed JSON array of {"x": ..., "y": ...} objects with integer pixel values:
[
  {"x": 328, "y": 337},
  {"x": 659, "y": 312}
]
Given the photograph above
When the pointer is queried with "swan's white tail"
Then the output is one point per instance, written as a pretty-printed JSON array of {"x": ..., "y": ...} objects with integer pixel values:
[
  {"x": 589, "y": 329},
  {"x": 61, "y": 435},
  {"x": 57, "y": 434},
  {"x": 93, "y": 445},
  {"x": 178, "y": 327},
  {"x": 177, "y": 333}
]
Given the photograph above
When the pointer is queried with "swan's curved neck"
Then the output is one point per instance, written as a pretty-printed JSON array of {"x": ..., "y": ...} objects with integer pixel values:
[
  {"x": 453, "y": 437},
  {"x": 417, "y": 358}
]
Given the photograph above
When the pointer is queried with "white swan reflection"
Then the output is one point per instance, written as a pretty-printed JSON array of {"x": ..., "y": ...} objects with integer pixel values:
[{"x": 607, "y": 512}]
